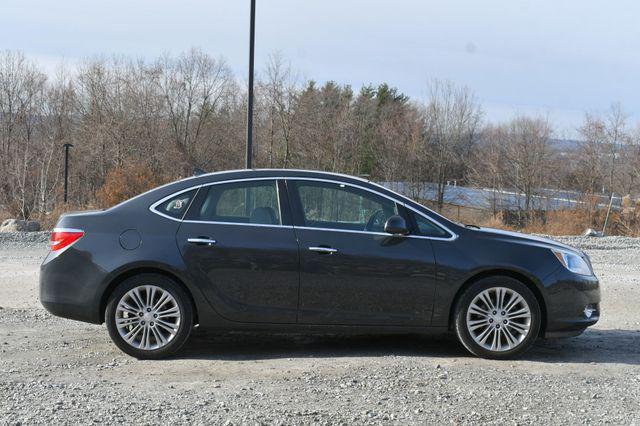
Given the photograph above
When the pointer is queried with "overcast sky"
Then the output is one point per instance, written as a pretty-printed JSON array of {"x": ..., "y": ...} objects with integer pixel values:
[{"x": 557, "y": 58}]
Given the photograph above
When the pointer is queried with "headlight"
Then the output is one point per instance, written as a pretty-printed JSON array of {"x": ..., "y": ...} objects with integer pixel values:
[{"x": 573, "y": 262}]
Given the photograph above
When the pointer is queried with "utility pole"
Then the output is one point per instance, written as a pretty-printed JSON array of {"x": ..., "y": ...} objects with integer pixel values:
[
  {"x": 252, "y": 36},
  {"x": 66, "y": 147},
  {"x": 606, "y": 218}
]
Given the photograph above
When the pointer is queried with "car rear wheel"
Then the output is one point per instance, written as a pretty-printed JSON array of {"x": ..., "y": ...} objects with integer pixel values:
[
  {"x": 497, "y": 317},
  {"x": 149, "y": 316}
]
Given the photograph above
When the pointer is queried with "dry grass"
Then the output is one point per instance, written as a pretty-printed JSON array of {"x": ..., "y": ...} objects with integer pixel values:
[
  {"x": 564, "y": 222},
  {"x": 573, "y": 222},
  {"x": 4, "y": 215},
  {"x": 122, "y": 183},
  {"x": 560, "y": 222},
  {"x": 48, "y": 221}
]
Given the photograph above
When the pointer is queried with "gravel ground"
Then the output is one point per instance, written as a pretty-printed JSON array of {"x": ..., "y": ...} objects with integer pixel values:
[{"x": 57, "y": 371}]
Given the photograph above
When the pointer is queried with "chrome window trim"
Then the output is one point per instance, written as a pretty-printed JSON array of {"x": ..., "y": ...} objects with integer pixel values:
[
  {"x": 278, "y": 201},
  {"x": 349, "y": 231},
  {"x": 153, "y": 206},
  {"x": 269, "y": 170},
  {"x": 453, "y": 236},
  {"x": 353, "y": 231},
  {"x": 404, "y": 197},
  {"x": 261, "y": 225}
]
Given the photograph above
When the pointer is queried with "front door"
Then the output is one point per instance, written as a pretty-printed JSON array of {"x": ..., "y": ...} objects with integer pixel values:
[
  {"x": 242, "y": 252},
  {"x": 351, "y": 271}
]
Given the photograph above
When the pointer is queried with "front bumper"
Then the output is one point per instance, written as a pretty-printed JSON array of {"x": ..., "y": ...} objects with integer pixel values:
[{"x": 567, "y": 296}]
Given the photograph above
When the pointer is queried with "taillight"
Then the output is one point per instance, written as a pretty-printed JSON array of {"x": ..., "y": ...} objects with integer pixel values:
[{"x": 64, "y": 237}]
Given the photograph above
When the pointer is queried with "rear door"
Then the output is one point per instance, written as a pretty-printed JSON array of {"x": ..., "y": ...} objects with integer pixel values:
[
  {"x": 238, "y": 243},
  {"x": 351, "y": 271}
]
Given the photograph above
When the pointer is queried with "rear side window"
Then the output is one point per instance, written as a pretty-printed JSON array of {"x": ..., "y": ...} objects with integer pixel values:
[
  {"x": 251, "y": 202},
  {"x": 177, "y": 205}
]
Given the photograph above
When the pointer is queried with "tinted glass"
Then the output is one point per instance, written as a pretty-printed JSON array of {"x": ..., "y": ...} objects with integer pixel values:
[
  {"x": 178, "y": 205},
  {"x": 242, "y": 202},
  {"x": 428, "y": 228},
  {"x": 337, "y": 206}
]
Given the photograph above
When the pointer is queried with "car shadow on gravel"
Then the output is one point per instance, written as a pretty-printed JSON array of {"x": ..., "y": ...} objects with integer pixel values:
[
  {"x": 594, "y": 346},
  {"x": 252, "y": 346}
]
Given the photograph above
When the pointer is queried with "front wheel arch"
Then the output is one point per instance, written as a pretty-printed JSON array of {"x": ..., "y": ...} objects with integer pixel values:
[
  {"x": 501, "y": 273},
  {"x": 113, "y": 284}
]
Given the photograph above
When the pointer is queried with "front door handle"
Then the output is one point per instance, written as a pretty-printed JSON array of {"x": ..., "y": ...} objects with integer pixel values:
[
  {"x": 323, "y": 250},
  {"x": 202, "y": 241}
]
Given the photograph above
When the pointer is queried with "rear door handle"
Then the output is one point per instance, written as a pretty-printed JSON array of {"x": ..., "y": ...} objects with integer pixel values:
[
  {"x": 323, "y": 250},
  {"x": 203, "y": 241}
]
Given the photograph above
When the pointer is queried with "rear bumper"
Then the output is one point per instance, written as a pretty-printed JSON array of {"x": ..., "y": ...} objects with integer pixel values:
[
  {"x": 68, "y": 286},
  {"x": 70, "y": 311},
  {"x": 568, "y": 295}
]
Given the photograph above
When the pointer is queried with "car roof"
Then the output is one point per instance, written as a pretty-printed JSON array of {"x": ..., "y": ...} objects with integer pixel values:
[
  {"x": 249, "y": 173},
  {"x": 206, "y": 178}
]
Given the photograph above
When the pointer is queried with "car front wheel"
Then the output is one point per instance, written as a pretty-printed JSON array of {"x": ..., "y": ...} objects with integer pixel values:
[
  {"x": 497, "y": 317},
  {"x": 149, "y": 316}
]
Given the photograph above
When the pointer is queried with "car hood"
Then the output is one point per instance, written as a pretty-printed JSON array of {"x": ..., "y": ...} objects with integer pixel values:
[{"x": 521, "y": 238}]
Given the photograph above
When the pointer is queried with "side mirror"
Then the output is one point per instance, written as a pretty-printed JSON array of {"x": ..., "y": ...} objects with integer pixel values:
[{"x": 396, "y": 225}]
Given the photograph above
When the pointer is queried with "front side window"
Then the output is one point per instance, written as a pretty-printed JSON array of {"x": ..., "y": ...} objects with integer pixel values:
[
  {"x": 339, "y": 206},
  {"x": 251, "y": 202},
  {"x": 427, "y": 228},
  {"x": 177, "y": 205}
]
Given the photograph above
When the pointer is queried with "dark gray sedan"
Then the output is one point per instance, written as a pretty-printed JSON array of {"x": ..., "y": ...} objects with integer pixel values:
[{"x": 306, "y": 252}]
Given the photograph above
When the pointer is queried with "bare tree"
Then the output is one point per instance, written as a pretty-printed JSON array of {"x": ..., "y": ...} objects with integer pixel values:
[
  {"x": 527, "y": 154},
  {"x": 616, "y": 136},
  {"x": 591, "y": 156},
  {"x": 168, "y": 116},
  {"x": 452, "y": 120},
  {"x": 194, "y": 86},
  {"x": 279, "y": 92},
  {"x": 486, "y": 166},
  {"x": 56, "y": 129},
  {"x": 21, "y": 96}
]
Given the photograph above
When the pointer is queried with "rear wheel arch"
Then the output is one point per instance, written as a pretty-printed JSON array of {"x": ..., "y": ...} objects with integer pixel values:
[
  {"x": 122, "y": 276},
  {"x": 524, "y": 279}
]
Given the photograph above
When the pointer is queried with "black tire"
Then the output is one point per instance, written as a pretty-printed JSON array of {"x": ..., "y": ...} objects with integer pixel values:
[
  {"x": 168, "y": 285},
  {"x": 462, "y": 307}
]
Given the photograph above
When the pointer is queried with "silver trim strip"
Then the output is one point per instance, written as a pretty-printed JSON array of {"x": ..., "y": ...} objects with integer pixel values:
[
  {"x": 453, "y": 237},
  {"x": 207, "y": 241},
  {"x": 153, "y": 206},
  {"x": 404, "y": 197},
  {"x": 326, "y": 250},
  {"x": 351, "y": 231},
  {"x": 263, "y": 225},
  {"x": 453, "y": 234},
  {"x": 67, "y": 230}
]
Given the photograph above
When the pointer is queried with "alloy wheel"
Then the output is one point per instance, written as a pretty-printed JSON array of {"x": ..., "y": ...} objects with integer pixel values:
[
  {"x": 498, "y": 319},
  {"x": 147, "y": 317}
]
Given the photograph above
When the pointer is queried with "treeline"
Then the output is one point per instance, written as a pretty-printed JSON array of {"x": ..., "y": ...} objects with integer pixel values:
[{"x": 135, "y": 124}]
